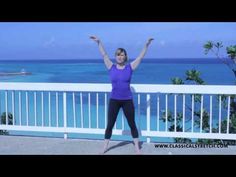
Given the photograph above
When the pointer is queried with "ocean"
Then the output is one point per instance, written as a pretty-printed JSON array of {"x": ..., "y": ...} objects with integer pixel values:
[{"x": 150, "y": 71}]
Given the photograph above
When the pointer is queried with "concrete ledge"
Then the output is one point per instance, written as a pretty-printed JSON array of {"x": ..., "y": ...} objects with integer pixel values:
[{"x": 23, "y": 145}]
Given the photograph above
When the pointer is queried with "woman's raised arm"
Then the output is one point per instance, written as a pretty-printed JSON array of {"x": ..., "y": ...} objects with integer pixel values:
[
  {"x": 106, "y": 59},
  {"x": 136, "y": 62}
]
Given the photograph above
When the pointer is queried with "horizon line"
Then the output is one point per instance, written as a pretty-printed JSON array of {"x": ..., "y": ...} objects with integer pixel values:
[{"x": 180, "y": 58}]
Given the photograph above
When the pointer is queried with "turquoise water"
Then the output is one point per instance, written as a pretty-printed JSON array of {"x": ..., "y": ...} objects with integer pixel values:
[{"x": 94, "y": 71}]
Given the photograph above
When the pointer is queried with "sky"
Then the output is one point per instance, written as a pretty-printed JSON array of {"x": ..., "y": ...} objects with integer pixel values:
[{"x": 70, "y": 40}]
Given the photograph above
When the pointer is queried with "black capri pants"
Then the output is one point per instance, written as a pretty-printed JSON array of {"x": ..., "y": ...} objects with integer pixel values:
[{"x": 113, "y": 110}]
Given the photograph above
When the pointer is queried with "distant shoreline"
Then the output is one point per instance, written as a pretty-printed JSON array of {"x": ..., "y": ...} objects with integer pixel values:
[
  {"x": 15, "y": 74},
  {"x": 145, "y": 60}
]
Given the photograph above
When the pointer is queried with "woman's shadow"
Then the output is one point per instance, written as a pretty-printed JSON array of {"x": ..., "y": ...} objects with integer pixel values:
[{"x": 123, "y": 143}]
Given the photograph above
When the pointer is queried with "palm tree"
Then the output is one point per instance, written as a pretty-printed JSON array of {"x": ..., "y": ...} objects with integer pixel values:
[
  {"x": 192, "y": 76},
  {"x": 231, "y": 52},
  {"x": 215, "y": 49}
]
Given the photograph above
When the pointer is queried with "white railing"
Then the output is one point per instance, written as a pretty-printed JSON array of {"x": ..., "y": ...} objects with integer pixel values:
[{"x": 30, "y": 115}]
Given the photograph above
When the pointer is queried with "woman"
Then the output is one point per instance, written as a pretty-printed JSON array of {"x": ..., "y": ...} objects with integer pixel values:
[{"x": 121, "y": 95}]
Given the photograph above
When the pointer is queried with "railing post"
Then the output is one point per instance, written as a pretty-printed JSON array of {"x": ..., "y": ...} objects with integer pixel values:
[
  {"x": 64, "y": 114},
  {"x": 158, "y": 111},
  {"x": 148, "y": 117},
  {"x": 139, "y": 119}
]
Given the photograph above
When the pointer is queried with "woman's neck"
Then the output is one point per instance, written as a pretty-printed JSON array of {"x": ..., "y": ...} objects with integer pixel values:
[{"x": 120, "y": 64}]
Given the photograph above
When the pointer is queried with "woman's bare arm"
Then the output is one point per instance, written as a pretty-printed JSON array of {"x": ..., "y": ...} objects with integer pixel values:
[
  {"x": 137, "y": 61},
  {"x": 106, "y": 59}
]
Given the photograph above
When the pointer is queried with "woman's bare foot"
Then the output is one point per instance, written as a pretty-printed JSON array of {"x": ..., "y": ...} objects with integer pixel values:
[
  {"x": 106, "y": 142},
  {"x": 103, "y": 151},
  {"x": 136, "y": 145},
  {"x": 138, "y": 152}
]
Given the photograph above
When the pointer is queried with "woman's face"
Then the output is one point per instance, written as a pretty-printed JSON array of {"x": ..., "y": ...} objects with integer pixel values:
[{"x": 120, "y": 58}]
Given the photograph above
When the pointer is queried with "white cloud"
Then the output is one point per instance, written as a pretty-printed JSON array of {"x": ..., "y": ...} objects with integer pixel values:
[
  {"x": 162, "y": 42},
  {"x": 50, "y": 42}
]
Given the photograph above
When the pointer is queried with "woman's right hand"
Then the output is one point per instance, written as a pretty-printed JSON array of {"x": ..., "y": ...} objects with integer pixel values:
[
  {"x": 95, "y": 39},
  {"x": 149, "y": 41}
]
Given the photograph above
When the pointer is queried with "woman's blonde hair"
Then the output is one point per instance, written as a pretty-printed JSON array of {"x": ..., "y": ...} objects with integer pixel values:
[{"x": 121, "y": 50}]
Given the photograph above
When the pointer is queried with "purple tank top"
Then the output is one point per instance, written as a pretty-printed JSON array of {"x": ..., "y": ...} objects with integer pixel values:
[{"x": 120, "y": 79}]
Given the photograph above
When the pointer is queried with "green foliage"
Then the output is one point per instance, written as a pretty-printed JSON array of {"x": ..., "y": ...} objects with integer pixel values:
[
  {"x": 197, "y": 98},
  {"x": 194, "y": 75},
  {"x": 232, "y": 124},
  {"x": 215, "y": 48},
  {"x": 3, "y": 118},
  {"x": 4, "y": 122},
  {"x": 209, "y": 141},
  {"x": 218, "y": 45},
  {"x": 182, "y": 140},
  {"x": 177, "y": 81},
  {"x": 205, "y": 120},
  {"x": 208, "y": 46},
  {"x": 231, "y": 51},
  {"x": 169, "y": 116}
]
